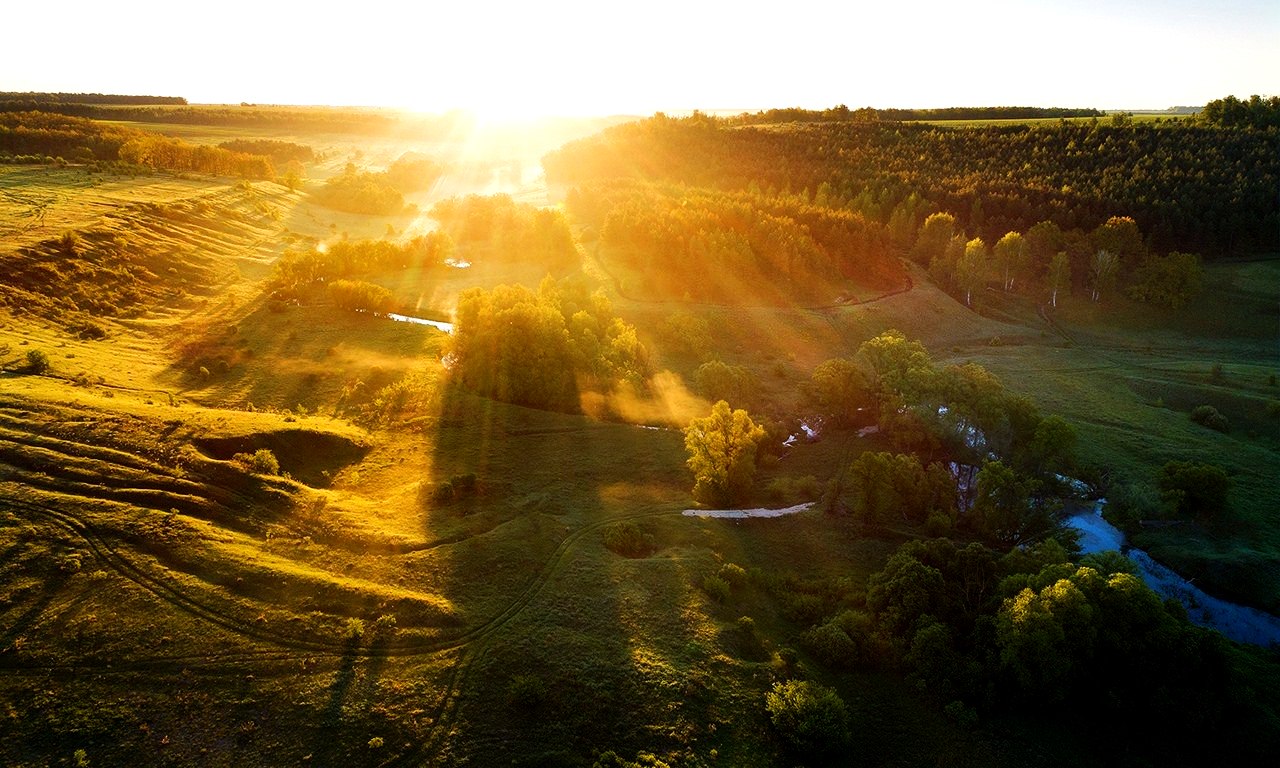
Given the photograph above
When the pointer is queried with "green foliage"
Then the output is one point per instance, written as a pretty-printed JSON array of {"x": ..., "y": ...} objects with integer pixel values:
[
  {"x": 811, "y": 718},
  {"x": 1231, "y": 112},
  {"x": 299, "y": 269},
  {"x": 611, "y": 759},
  {"x": 1191, "y": 488},
  {"x": 1169, "y": 281},
  {"x": 509, "y": 232},
  {"x": 540, "y": 349},
  {"x": 1210, "y": 417},
  {"x": 37, "y": 361},
  {"x": 766, "y": 249},
  {"x": 280, "y": 152},
  {"x": 356, "y": 191},
  {"x": 1004, "y": 510},
  {"x": 722, "y": 454},
  {"x": 361, "y": 296},
  {"x": 716, "y": 588},
  {"x": 888, "y": 488},
  {"x": 793, "y": 490},
  {"x": 840, "y": 389},
  {"x": 688, "y": 334},
  {"x": 630, "y": 539},
  {"x": 260, "y": 462},
  {"x": 717, "y": 380}
]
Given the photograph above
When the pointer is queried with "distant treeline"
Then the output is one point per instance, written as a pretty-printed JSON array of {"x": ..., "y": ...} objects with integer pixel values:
[
  {"x": 1188, "y": 187},
  {"x": 45, "y": 99},
  {"x": 498, "y": 228},
  {"x": 85, "y": 141},
  {"x": 842, "y": 114},
  {"x": 296, "y": 119}
]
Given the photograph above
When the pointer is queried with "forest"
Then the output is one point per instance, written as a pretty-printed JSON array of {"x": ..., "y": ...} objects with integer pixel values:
[{"x": 1195, "y": 188}]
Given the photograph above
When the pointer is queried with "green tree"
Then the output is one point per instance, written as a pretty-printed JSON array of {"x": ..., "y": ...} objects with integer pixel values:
[
  {"x": 1102, "y": 272},
  {"x": 1059, "y": 276},
  {"x": 971, "y": 269},
  {"x": 813, "y": 719},
  {"x": 840, "y": 388},
  {"x": 722, "y": 454},
  {"x": 1011, "y": 257},
  {"x": 935, "y": 233},
  {"x": 1194, "y": 489},
  {"x": 1170, "y": 281},
  {"x": 1003, "y": 509}
]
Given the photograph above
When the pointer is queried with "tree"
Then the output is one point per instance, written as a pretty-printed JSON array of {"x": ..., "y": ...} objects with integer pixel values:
[
  {"x": 1194, "y": 489},
  {"x": 935, "y": 233},
  {"x": 1102, "y": 272},
  {"x": 1120, "y": 235},
  {"x": 971, "y": 269},
  {"x": 1059, "y": 276},
  {"x": 1169, "y": 281},
  {"x": 722, "y": 454},
  {"x": 1011, "y": 256},
  {"x": 813, "y": 719},
  {"x": 840, "y": 388},
  {"x": 1003, "y": 509},
  {"x": 37, "y": 361}
]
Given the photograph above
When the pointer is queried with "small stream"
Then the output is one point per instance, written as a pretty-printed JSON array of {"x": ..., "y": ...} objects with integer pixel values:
[
  {"x": 438, "y": 324},
  {"x": 1237, "y": 622}
]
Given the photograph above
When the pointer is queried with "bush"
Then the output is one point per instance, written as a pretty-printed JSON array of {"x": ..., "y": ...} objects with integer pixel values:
[
  {"x": 716, "y": 588},
  {"x": 1194, "y": 489},
  {"x": 629, "y": 540},
  {"x": 733, "y": 575},
  {"x": 812, "y": 719},
  {"x": 1207, "y": 415},
  {"x": 260, "y": 462},
  {"x": 793, "y": 490},
  {"x": 37, "y": 361}
]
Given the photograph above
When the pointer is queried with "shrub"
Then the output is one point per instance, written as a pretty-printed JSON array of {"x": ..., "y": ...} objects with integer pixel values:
[
  {"x": 629, "y": 540},
  {"x": 1189, "y": 488},
  {"x": 260, "y": 462},
  {"x": 716, "y": 588},
  {"x": 526, "y": 692},
  {"x": 812, "y": 719},
  {"x": 37, "y": 361},
  {"x": 785, "y": 490},
  {"x": 1207, "y": 415},
  {"x": 733, "y": 575}
]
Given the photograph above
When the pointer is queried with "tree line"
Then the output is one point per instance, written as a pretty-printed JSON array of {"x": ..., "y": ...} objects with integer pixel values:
[
  {"x": 761, "y": 248},
  {"x": 299, "y": 270},
  {"x": 1189, "y": 187},
  {"x": 33, "y": 99},
  {"x": 80, "y": 140},
  {"x": 842, "y": 113}
]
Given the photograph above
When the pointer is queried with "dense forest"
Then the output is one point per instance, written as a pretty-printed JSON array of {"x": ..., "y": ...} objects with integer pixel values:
[
  {"x": 771, "y": 249},
  {"x": 1195, "y": 188},
  {"x": 44, "y": 135}
]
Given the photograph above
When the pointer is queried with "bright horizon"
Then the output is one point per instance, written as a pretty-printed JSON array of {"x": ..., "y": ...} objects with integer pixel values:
[{"x": 581, "y": 58}]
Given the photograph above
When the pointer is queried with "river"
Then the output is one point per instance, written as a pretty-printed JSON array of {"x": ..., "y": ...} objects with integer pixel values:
[{"x": 1237, "y": 622}]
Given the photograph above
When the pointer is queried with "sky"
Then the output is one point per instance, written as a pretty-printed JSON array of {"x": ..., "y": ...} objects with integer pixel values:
[{"x": 568, "y": 57}]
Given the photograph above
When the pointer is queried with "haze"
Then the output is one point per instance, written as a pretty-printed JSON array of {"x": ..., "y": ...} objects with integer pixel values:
[{"x": 578, "y": 58}]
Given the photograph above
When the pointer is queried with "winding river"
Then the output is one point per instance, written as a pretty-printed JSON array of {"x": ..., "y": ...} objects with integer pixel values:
[{"x": 1237, "y": 622}]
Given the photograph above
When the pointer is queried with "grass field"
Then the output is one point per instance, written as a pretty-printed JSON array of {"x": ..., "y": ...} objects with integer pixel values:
[{"x": 162, "y": 604}]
